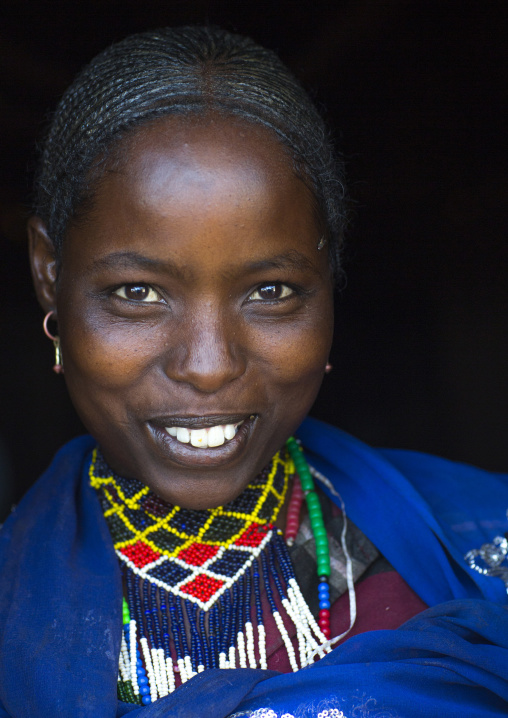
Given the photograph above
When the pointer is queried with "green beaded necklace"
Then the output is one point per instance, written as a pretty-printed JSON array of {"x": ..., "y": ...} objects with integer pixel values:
[{"x": 318, "y": 530}]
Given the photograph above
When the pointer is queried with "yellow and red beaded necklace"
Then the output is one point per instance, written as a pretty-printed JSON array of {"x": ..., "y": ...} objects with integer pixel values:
[{"x": 192, "y": 581}]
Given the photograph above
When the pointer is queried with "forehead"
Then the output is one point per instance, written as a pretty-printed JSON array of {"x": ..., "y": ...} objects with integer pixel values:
[
  {"x": 182, "y": 158},
  {"x": 180, "y": 183},
  {"x": 201, "y": 135}
]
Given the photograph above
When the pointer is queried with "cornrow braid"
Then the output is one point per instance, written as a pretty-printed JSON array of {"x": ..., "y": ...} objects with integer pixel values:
[{"x": 180, "y": 70}]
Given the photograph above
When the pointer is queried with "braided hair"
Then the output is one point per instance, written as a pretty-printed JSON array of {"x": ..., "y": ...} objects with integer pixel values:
[{"x": 188, "y": 70}]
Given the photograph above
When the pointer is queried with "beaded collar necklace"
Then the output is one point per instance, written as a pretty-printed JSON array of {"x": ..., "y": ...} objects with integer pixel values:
[{"x": 192, "y": 579}]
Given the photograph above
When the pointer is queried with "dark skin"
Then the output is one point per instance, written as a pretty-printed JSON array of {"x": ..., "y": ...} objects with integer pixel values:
[{"x": 193, "y": 294}]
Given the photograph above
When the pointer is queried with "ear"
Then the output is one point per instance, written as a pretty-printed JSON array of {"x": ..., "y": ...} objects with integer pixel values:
[{"x": 43, "y": 263}]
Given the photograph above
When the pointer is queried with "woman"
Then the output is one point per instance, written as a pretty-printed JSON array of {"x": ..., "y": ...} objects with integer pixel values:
[{"x": 186, "y": 233}]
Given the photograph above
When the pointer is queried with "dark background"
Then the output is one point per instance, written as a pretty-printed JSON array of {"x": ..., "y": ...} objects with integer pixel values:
[{"x": 416, "y": 94}]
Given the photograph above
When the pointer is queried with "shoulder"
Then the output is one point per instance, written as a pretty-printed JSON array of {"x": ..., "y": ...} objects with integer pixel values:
[
  {"x": 431, "y": 476},
  {"x": 55, "y": 487},
  {"x": 423, "y": 512}
]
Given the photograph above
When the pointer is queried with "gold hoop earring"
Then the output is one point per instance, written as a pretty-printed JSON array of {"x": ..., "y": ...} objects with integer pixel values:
[{"x": 58, "y": 367}]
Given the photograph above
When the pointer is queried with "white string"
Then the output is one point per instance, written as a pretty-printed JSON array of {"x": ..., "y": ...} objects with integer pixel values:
[{"x": 349, "y": 565}]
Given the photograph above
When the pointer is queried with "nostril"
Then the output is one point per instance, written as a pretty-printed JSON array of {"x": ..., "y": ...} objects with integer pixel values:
[{"x": 208, "y": 360}]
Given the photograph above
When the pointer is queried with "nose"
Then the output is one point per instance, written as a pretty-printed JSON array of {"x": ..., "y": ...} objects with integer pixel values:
[{"x": 208, "y": 355}]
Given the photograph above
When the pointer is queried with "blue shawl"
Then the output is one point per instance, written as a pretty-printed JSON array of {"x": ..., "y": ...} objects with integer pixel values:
[{"x": 60, "y": 600}]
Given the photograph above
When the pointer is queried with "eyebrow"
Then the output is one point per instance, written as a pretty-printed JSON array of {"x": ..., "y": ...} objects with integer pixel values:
[
  {"x": 134, "y": 260},
  {"x": 289, "y": 261}
]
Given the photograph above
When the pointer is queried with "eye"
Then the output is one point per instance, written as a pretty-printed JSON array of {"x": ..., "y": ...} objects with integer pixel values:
[
  {"x": 138, "y": 293},
  {"x": 271, "y": 292}
]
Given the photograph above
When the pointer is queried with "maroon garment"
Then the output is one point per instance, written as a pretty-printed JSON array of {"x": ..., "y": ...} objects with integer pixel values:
[{"x": 384, "y": 601}]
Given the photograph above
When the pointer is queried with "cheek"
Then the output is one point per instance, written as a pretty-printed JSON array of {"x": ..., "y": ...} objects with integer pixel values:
[
  {"x": 295, "y": 352},
  {"x": 112, "y": 355}
]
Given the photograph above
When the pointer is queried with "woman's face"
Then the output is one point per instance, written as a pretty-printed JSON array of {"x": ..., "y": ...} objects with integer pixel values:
[{"x": 194, "y": 308}]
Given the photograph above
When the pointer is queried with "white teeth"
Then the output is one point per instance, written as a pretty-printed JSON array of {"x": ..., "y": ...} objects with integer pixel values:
[
  {"x": 216, "y": 436},
  {"x": 229, "y": 431},
  {"x": 203, "y": 438},
  {"x": 182, "y": 434},
  {"x": 199, "y": 437}
]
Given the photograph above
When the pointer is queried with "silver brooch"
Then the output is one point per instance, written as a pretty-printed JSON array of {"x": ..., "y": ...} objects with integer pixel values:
[{"x": 490, "y": 559}]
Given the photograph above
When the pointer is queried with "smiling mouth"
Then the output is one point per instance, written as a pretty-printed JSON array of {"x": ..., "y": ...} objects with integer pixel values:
[
  {"x": 205, "y": 438},
  {"x": 203, "y": 441},
  {"x": 204, "y": 432}
]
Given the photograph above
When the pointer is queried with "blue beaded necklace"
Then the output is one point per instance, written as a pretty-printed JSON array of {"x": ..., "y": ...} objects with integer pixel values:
[{"x": 191, "y": 578}]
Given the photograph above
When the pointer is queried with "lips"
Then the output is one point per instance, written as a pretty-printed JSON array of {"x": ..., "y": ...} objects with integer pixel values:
[{"x": 204, "y": 440}]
